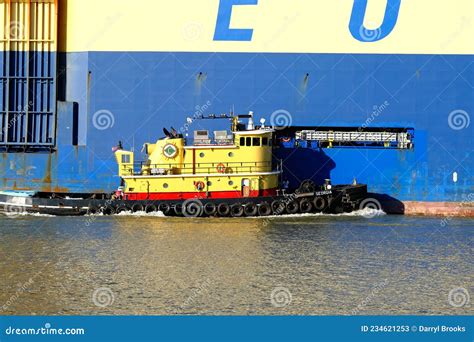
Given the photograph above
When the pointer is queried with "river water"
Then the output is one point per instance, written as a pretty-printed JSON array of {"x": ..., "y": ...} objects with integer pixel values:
[{"x": 312, "y": 265}]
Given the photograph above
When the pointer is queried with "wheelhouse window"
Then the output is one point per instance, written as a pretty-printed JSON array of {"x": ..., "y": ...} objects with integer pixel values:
[
  {"x": 125, "y": 159},
  {"x": 248, "y": 141},
  {"x": 264, "y": 141},
  {"x": 256, "y": 141},
  {"x": 242, "y": 141}
]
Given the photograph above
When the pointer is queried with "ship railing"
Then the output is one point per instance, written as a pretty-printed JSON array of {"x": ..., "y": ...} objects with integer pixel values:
[
  {"x": 215, "y": 142},
  {"x": 390, "y": 138},
  {"x": 144, "y": 168}
]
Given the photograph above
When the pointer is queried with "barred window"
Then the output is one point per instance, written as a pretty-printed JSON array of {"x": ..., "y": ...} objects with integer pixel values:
[{"x": 28, "y": 76}]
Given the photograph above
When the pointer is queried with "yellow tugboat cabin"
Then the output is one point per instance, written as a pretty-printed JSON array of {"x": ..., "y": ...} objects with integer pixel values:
[{"x": 225, "y": 165}]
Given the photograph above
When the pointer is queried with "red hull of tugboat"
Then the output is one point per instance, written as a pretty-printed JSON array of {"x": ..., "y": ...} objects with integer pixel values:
[{"x": 188, "y": 195}]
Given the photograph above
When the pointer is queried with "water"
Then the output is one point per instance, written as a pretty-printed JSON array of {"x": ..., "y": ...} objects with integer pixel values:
[{"x": 313, "y": 264}]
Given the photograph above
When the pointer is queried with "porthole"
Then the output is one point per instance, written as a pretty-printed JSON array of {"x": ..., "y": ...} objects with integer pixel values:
[
  {"x": 231, "y": 183},
  {"x": 165, "y": 185},
  {"x": 209, "y": 183},
  {"x": 201, "y": 154},
  {"x": 230, "y": 154}
]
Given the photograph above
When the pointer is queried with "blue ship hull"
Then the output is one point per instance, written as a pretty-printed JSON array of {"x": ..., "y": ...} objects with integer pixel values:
[{"x": 129, "y": 96}]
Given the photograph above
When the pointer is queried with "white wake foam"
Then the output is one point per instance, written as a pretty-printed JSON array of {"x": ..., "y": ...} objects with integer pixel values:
[
  {"x": 25, "y": 214},
  {"x": 141, "y": 214},
  {"x": 366, "y": 212}
]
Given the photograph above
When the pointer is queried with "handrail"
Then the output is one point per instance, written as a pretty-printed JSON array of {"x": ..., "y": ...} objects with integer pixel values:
[{"x": 142, "y": 168}]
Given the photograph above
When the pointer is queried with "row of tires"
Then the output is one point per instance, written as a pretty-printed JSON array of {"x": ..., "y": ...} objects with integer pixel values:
[
  {"x": 277, "y": 207},
  {"x": 195, "y": 208}
]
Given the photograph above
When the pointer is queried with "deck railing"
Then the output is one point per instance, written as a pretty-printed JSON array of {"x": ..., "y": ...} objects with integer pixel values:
[{"x": 143, "y": 168}]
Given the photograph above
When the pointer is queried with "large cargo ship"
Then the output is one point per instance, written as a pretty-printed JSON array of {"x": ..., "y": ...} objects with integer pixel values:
[{"x": 80, "y": 75}]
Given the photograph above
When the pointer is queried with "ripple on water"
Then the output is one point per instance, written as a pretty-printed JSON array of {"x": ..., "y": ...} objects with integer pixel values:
[{"x": 330, "y": 264}]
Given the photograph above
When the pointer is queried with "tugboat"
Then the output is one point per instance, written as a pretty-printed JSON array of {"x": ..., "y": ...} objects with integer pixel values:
[{"x": 233, "y": 173}]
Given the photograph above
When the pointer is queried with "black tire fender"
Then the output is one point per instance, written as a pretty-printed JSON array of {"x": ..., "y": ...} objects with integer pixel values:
[
  {"x": 278, "y": 207},
  {"x": 305, "y": 205},
  {"x": 264, "y": 209},
  {"x": 150, "y": 208},
  {"x": 319, "y": 203},
  {"x": 137, "y": 207},
  {"x": 108, "y": 209},
  {"x": 178, "y": 209},
  {"x": 292, "y": 207},
  {"x": 164, "y": 208},
  {"x": 121, "y": 208},
  {"x": 210, "y": 209},
  {"x": 250, "y": 209},
  {"x": 307, "y": 186},
  {"x": 237, "y": 210},
  {"x": 93, "y": 209},
  {"x": 223, "y": 209}
]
